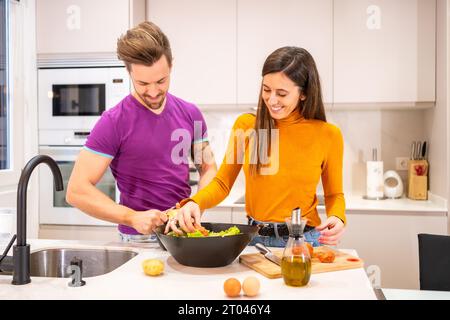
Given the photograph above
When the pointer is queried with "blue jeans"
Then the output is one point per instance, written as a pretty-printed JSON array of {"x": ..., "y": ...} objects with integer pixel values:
[
  {"x": 280, "y": 241},
  {"x": 138, "y": 238},
  {"x": 311, "y": 237}
]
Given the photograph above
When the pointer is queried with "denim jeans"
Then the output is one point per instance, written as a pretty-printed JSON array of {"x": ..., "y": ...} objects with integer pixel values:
[
  {"x": 311, "y": 237},
  {"x": 138, "y": 238},
  {"x": 280, "y": 241}
]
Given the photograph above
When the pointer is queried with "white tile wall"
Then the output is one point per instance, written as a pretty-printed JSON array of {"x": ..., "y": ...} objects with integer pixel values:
[{"x": 391, "y": 132}]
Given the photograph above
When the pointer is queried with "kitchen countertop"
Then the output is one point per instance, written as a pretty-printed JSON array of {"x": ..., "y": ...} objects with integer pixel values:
[
  {"x": 357, "y": 203},
  {"x": 405, "y": 294},
  {"x": 179, "y": 282}
]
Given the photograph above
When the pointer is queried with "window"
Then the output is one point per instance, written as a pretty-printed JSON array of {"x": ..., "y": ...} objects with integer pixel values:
[{"x": 4, "y": 88}]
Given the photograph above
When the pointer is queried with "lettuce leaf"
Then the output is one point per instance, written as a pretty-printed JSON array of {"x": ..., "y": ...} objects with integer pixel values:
[
  {"x": 197, "y": 234},
  {"x": 229, "y": 232}
]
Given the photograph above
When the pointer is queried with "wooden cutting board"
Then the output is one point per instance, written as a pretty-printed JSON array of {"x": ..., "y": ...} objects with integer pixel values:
[{"x": 259, "y": 263}]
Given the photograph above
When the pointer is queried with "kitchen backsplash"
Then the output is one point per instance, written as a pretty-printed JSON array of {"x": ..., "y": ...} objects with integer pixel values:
[
  {"x": 391, "y": 132},
  {"x": 219, "y": 125}
]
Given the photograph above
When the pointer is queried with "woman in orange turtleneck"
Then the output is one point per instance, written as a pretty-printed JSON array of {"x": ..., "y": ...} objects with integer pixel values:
[{"x": 302, "y": 147}]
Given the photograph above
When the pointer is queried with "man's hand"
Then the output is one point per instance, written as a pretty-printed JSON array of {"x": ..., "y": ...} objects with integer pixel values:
[
  {"x": 146, "y": 222},
  {"x": 331, "y": 231}
]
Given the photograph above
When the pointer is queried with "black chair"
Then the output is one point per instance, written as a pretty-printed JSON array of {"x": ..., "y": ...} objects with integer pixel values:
[{"x": 434, "y": 262}]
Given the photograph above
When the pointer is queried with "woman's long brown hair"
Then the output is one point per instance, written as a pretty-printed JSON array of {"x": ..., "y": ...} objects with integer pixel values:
[{"x": 299, "y": 66}]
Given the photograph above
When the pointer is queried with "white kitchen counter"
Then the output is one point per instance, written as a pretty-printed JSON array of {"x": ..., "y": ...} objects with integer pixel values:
[
  {"x": 179, "y": 282},
  {"x": 434, "y": 205},
  {"x": 403, "y": 294}
]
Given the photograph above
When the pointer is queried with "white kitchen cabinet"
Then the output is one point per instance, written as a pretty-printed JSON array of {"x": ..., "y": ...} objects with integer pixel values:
[
  {"x": 266, "y": 25},
  {"x": 239, "y": 216},
  {"x": 387, "y": 242},
  {"x": 384, "y": 51},
  {"x": 202, "y": 34},
  {"x": 84, "y": 26},
  {"x": 217, "y": 214},
  {"x": 377, "y": 52},
  {"x": 219, "y": 49}
]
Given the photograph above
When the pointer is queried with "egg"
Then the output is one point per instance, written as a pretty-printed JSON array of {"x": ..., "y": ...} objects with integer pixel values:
[
  {"x": 153, "y": 267},
  {"x": 232, "y": 287},
  {"x": 251, "y": 286}
]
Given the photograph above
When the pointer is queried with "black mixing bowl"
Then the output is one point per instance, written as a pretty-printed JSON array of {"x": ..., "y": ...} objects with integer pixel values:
[{"x": 208, "y": 252}]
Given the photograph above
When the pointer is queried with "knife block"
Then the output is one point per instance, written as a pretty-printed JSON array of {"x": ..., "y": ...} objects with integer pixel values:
[{"x": 418, "y": 183}]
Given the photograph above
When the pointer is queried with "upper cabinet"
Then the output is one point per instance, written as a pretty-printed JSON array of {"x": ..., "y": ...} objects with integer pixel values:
[
  {"x": 202, "y": 34},
  {"x": 368, "y": 52},
  {"x": 84, "y": 26},
  {"x": 266, "y": 25},
  {"x": 378, "y": 53},
  {"x": 384, "y": 52},
  {"x": 219, "y": 47}
]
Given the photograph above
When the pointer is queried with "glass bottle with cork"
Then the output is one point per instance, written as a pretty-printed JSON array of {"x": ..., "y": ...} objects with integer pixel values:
[{"x": 296, "y": 261}]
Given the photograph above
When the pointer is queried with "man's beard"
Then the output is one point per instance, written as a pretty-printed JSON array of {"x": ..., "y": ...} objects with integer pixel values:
[{"x": 153, "y": 105}]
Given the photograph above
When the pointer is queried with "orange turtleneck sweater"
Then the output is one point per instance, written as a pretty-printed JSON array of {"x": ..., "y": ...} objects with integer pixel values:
[{"x": 307, "y": 150}]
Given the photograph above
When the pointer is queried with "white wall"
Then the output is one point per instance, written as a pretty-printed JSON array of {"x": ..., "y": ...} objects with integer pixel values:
[
  {"x": 391, "y": 132},
  {"x": 448, "y": 106},
  {"x": 24, "y": 106},
  {"x": 436, "y": 119}
]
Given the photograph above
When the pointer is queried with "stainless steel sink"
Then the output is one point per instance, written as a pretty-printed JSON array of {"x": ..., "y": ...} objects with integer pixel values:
[{"x": 54, "y": 262}]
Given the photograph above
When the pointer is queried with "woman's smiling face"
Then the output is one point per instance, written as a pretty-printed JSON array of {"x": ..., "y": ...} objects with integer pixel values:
[{"x": 280, "y": 94}]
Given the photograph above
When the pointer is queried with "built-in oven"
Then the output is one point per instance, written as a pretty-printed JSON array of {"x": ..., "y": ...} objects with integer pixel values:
[
  {"x": 74, "y": 98},
  {"x": 53, "y": 207},
  {"x": 70, "y": 102}
]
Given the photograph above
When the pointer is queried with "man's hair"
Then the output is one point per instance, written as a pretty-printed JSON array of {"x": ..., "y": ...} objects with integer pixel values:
[{"x": 144, "y": 44}]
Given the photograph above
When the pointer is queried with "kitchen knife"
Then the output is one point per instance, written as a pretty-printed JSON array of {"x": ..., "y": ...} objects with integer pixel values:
[
  {"x": 267, "y": 253},
  {"x": 418, "y": 149},
  {"x": 424, "y": 150},
  {"x": 413, "y": 150}
]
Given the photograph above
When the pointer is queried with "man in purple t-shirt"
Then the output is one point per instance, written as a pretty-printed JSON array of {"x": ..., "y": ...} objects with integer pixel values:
[{"x": 146, "y": 140}]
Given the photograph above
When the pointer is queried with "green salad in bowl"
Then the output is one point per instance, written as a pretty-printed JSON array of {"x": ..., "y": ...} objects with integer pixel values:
[{"x": 202, "y": 232}]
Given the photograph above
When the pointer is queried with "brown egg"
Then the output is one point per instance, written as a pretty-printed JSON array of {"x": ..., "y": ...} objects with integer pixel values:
[
  {"x": 251, "y": 286},
  {"x": 232, "y": 287}
]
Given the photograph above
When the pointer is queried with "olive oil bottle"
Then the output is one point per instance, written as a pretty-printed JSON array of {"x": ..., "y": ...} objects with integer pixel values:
[
  {"x": 296, "y": 270},
  {"x": 296, "y": 261}
]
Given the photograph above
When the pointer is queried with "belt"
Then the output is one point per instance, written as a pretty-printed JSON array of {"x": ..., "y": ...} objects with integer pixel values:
[{"x": 268, "y": 229}]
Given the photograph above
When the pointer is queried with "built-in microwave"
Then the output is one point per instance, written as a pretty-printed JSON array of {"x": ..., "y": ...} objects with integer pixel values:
[{"x": 75, "y": 98}]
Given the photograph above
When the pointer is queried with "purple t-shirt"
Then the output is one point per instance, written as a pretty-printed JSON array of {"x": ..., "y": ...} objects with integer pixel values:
[{"x": 149, "y": 152}]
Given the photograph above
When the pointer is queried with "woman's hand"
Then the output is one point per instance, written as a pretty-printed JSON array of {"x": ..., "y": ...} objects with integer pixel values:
[
  {"x": 187, "y": 217},
  {"x": 331, "y": 231}
]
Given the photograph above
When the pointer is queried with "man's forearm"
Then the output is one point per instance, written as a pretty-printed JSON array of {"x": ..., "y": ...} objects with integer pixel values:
[{"x": 95, "y": 203}]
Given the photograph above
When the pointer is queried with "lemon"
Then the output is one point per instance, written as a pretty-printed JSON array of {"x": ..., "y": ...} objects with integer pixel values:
[
  {"x": 153, "y": 267},
  {"x": 172, "y": 213}
]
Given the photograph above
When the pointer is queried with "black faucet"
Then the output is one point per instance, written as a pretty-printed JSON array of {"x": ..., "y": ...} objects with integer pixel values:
[{"x": 19, "y": 263}]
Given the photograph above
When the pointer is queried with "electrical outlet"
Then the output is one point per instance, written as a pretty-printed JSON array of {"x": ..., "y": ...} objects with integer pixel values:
[{"x": 401, "y": 163}]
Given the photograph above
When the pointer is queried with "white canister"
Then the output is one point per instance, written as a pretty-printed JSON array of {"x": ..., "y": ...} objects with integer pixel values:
[
  {"x": 393, "y": 185},
  {"x": 375, "y": 181}
]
